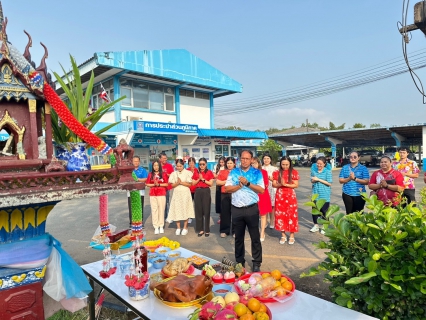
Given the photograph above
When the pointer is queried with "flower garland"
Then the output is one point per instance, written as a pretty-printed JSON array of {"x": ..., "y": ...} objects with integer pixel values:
[
  {"x": 136, "y": 209},
  {"x": 103, "y": 214},
  {"x": 68, "y": 118}
]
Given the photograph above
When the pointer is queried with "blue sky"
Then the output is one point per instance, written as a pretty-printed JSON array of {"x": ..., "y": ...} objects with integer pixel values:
[{"x": 268, "y": 46}]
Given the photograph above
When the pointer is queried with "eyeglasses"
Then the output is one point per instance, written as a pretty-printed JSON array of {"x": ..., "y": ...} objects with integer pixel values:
[
  {"x": 201, "y": 164},
  {"x": 353, "y": 157}
]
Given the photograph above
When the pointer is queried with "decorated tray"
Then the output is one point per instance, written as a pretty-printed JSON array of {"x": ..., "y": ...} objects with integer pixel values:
[
  {"x": 100, "y": 246},
  {"x": 246, "y": 277},
  {"x": 190, "y": 271},
  {"x": 194, "y": 303}
]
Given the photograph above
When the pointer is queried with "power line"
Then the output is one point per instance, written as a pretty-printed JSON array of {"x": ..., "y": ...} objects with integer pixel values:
[{"x": 320, "y": 91}]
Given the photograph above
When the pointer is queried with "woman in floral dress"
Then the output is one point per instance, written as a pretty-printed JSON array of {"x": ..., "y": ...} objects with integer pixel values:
[
  {"x": 181, "y": 207},
  {"x": 286, "y": 216},
  {"x": 270, "y": 169}
]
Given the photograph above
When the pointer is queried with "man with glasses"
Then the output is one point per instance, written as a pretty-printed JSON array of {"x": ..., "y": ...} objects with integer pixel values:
[
  {"x": 354, "y": 177},
  {"x": 141, "y": 174},
  {"x": 409, "y": 171},
  {"x": 245, "y": 183}
]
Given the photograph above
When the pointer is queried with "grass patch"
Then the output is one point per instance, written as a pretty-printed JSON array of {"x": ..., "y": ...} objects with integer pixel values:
[{"x": 83, "y": 314}]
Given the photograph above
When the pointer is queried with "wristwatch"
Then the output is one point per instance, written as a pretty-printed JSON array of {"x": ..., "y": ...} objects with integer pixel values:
[{"x": 248, "y": 184}]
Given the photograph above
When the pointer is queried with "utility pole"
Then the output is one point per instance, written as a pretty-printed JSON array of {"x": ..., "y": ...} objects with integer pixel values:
[
  {"x": 419, "y": 19},
  {"x": 307, "y": 130}
]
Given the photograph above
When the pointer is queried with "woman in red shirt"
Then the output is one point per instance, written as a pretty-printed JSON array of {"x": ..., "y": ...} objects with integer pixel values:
[
  {"x": 202, "y": 198},
  {"x": 195, "y": 174},
  {"x": 225, "y": 220},
  {"x": 264, "y": 203},
  {"x": 387, "y": 183},
  {"x": 157, "y": 181}
]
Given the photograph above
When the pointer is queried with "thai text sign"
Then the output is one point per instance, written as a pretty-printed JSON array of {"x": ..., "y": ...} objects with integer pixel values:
[{"x": 165, "y": 127}]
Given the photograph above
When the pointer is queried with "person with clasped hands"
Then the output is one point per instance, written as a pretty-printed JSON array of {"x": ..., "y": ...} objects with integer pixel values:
[
  {"x": 245, "y": 183},
  {"x": 387, "y": 183}
]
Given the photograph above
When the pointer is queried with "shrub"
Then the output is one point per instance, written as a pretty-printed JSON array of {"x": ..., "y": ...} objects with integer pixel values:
[{"x": 376, "y": 263}]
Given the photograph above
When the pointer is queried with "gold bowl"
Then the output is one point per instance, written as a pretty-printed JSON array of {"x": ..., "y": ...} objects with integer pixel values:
[{"x": 194, "y": 303}]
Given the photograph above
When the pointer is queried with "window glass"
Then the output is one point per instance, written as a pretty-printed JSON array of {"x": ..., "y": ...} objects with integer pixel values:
[
  {"x": 125, "y": 82},
  {"x": 156, "y": 100},
  {"x": 155, "y": 88},
  {"x": 140, "y": 98},
  {"x": 128, "y": 93},
  {"x": 95, "y": 102},
  {"x": 170, "y": 103}
]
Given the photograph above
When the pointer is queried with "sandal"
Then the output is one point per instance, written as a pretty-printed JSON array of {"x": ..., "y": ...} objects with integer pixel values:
[
  {"x": 283, "y": 240},
  {"x": 262, "y": 238},
  {"x": 291, "y": 240}
]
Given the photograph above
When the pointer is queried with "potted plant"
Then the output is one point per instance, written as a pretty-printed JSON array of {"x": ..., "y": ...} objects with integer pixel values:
[
  {"x": 71, "y": 147},
  {"x": 138, "y": 286}
]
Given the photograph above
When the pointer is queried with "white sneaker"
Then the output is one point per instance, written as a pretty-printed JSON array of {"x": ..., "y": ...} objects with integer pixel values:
[
  {"x": 177, "y": 232},
  {"x": 161, "y": 230},
  {"x": 156, "y": 231},
  {"x": 189, "y": 221},
  {"x": 314, "y": 229},
  {"x": 322, "y": 231},
  {"x": 184, "y": 232},
  {"x": 271, "y": 226}
]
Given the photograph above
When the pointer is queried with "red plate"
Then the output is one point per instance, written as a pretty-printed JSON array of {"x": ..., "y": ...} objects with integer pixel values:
[
  {"x": 190, "y": 270},
  {"x": 247, "y": 276}
]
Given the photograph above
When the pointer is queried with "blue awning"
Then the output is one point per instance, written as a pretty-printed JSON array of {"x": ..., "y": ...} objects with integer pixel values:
[{"x": 232, "y": 134}]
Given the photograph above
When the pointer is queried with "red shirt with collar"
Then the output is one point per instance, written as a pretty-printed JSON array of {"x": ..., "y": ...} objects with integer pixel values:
[
  {"x": 168, "y": 170},
  {"x": 206, "y": 176},
  {"x": 157, "y": 191},
  {"x": 223, "y": 176}
]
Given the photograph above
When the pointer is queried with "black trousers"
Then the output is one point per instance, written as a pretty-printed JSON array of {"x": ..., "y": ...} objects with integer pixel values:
[
  {"x": 410, "y": 195},
  {"x": 353, "y": 203},
  {"x": 323, "y": 211},
  {"x": 166, "y": 209},
  {"x": 130, "y": 209},
  {"x": 225, "y": 216},
  {"x": 218, "y": 200},
  {"x": 202, "y": 203},
  {"x": 242, "y": 218}
]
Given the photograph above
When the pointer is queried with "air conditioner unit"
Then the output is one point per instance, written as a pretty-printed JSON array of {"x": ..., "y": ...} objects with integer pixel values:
[{"x": 133, "y": 118}]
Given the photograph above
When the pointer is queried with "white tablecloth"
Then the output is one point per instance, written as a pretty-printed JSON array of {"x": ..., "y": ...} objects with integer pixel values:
[{"x": 301, "y": 307}]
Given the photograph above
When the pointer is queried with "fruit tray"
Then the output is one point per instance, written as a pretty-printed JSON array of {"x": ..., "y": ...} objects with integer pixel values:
[{"x": 246, "y": 277}]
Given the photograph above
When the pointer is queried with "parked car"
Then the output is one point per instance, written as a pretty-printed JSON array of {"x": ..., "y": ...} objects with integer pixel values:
[{"x": 369, "y": 157}]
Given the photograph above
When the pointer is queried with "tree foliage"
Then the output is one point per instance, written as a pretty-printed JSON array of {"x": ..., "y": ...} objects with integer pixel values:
[
  {"x": 358, "y": 125},
  {"x": 375, "y": 125},
  {"x": 272, "y": 147}
]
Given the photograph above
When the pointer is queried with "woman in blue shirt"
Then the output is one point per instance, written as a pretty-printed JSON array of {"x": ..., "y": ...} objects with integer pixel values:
[
  {"x": 354, "y": 176},
  {"x": 321, "y": 179}
]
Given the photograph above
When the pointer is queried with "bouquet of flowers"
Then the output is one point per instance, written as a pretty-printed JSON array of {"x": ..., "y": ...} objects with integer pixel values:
[{"x": 137, "y": 282}]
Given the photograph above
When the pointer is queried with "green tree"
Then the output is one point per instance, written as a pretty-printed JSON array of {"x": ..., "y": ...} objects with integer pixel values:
[
  {"x": 230, "y": 128},
  {"x": 375, "y": 125},
  {"x": 272, "y": 147},
  {"x": 332, "y": 126},
  {"x": 358, "y": 125}
]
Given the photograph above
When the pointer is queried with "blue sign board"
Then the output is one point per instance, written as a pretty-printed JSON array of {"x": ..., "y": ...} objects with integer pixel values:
[
  {"x": 164, "y": 127},
  {"x": 143, "y": 139},
  {"x": 4, "y": 136}
]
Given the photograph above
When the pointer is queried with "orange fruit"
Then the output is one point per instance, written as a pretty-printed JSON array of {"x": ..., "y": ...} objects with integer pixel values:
[
  {"x": 287, "y": 285},
  {"x": 262, "y": 307},
  {"x": 249, "y": 311},
  {"x": 253, "y": 304},
  {"x": 283, "y": 279},
  {"x": 262, "y": 316},
  {"x": 240, "y": 309},
  {"x": 276, "y": 274},
  {"x": 277, "y": 284},
  {"x": 265, "y": 275},
  {"x": 247, "y": 317},
  {"x": 280, "y": 292}
]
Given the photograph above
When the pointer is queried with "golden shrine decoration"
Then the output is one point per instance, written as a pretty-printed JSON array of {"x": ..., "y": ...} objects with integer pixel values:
[{"x": 8, "y": 120}]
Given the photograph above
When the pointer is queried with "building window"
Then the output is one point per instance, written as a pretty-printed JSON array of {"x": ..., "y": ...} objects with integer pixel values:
[
  {"x": 96, "y": 101},
  {"x": 202, "y": 95},
  {"x": 147, "y": 96}
]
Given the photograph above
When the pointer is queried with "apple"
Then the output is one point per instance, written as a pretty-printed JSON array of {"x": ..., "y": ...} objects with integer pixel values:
[
  {"x": 231, "y": 297},
  {"x": 220, "y": 300}
]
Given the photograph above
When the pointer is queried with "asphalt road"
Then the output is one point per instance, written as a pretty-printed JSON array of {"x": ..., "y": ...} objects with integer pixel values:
[{"x": 73, "y": 222}]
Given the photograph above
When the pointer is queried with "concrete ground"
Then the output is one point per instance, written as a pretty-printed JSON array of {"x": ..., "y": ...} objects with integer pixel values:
[{"x": 73, "y": 222}]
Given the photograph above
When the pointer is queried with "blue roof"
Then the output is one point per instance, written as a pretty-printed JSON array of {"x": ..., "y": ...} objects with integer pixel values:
[
  {"x": 175, "y": 64},
  {"x": 216, "y": 133}
]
